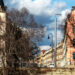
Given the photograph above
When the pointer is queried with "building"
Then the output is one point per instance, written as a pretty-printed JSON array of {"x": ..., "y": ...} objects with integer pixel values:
[
  {"x": 70, "y": 37},
  {"x": 47, "y": 57},
  {"x": 2, "y": 33},
  {"x": 5, "y": 52}
]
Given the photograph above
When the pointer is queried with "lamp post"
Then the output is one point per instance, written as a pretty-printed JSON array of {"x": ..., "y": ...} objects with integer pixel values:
[
  {"x": 55, "y": 49},
  {"x": 51, "y": 36},
  {"x": 51, "y": 43}
]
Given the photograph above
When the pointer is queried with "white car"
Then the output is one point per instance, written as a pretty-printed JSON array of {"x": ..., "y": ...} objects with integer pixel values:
[{"x": 51, "y": 65}]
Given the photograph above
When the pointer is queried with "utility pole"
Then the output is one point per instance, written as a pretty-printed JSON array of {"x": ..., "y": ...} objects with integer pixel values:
[
  {"x": 55, "y": 42},
  {"x": 55, "y": 47}
]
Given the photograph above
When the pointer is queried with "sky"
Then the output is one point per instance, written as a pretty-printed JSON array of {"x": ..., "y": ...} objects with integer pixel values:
[{"x": 44, "y": 12}]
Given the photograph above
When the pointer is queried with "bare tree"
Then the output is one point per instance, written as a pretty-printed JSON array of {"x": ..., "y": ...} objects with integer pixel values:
[{"x": 20, "y": 43}]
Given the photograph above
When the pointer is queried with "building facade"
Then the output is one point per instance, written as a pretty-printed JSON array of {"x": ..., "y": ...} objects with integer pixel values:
[
  {"x": 70, "y": 34},
  {"x": 2, "y": 34},
  {"x": 48, "y": 57}
]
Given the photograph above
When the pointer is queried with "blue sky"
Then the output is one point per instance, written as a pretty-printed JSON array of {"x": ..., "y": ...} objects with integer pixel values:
[
  {"x": 69, "y": 3},
  {"x": 44, "y": 11}
]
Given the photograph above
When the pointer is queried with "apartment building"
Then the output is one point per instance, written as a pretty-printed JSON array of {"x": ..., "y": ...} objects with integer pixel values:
[
  {"x": 47, "y": 57},
  {"x": 70, "y": 37}
]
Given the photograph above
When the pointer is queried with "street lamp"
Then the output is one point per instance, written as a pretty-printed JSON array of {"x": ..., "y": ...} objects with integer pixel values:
[
  {"x": 55, "y": 39},
  {"x": 51, "y": 36}
]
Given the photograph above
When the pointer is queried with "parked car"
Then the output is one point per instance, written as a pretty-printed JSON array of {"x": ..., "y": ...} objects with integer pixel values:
[{"x": 51, "y": 65}]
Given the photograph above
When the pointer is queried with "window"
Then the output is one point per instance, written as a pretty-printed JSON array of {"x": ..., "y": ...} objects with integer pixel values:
[
  {"x": 74, "y": 55},
  {"x": 74, "y": 29},
  {"x": 73, "y": 42}
]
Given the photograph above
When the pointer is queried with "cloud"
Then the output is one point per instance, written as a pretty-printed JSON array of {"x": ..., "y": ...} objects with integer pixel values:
[
  {"x": 35, "y": 7},
  {"x": 38, "y": 7},
  {"x": 43, "y": 10},
  {"x": 64, "y": 15}
]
